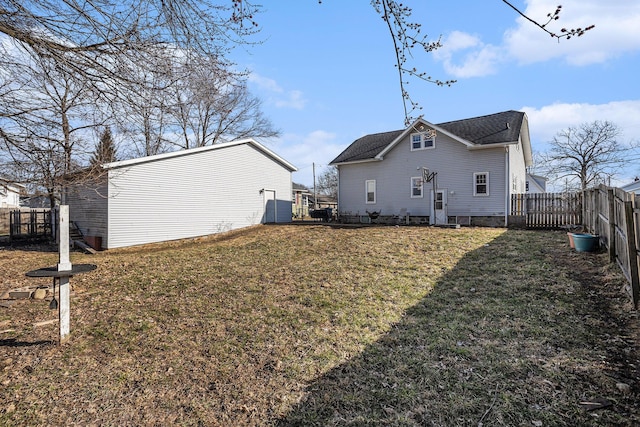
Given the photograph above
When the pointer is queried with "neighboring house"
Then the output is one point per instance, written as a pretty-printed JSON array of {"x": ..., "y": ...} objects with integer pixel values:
[
  {"x": 10, "y": 193},
  {"x": 472, "y": 166},
  {"x": 36, "y": 201},
  {"x": 536, "y": 184},
  {"x": 632, "y": 187},
  {"x": 183, "y": 194},
  {"x": 300, "y": 201},
  {"x": 323, "y": 201}
]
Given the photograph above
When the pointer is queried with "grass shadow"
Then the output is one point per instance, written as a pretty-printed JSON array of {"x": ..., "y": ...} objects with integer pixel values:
[
  {"x": 510, "y": 336},
  {"x": 13, "y": 342}
]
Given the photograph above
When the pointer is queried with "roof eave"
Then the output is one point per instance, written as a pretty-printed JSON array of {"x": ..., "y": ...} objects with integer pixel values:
[
  {"x": 250, "y": 141},
  {"x": 491, "y": 145},
  {"x": 373, "y": 159}
]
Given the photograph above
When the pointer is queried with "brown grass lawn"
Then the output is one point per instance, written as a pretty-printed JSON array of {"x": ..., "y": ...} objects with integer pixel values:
[{"x": 291, "y": 325}]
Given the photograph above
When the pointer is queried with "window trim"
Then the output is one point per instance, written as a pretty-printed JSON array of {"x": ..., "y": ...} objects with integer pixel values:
[
  {"x": 423, "y": 139},
  {"x": 366, "y": 192},
  {"x": 421, "y": 186},
  {"x": 475, "y": 184}
]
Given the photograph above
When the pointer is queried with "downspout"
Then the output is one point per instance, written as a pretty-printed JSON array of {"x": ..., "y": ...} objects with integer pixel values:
[
  {"x": 338, "y": 195},
  {"x": 275, "y": 204},
  {"x": 507, "y": 186}
]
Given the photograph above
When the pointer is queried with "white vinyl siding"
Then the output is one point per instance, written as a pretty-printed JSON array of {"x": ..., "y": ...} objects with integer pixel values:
[
  {"x": 370, "y": 191},
  {"x": 454, "y": 165},
  {"x": 416, "y": 187},
  {"x": 188, "y": 194},
  {"x": 518, "y": 169},
  {"x": 481, "y": 184},
  {"x": 196, "y": 195}
]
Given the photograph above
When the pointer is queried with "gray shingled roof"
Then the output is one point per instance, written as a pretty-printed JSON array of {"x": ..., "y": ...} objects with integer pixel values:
[{"x": 484, "y": 130}]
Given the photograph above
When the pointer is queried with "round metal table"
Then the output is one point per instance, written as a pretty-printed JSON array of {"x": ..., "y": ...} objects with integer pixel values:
[{"x": 53, "y": 271}]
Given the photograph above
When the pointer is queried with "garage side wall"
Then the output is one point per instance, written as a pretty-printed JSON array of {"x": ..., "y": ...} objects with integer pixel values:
[
  {"x": 195, "y": 194},
  {"x": 88, "y": 206}
]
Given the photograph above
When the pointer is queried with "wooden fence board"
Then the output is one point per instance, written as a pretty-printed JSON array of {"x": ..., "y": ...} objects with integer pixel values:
[
  {"x": 611, "y": 213},
  {"x": 548, "y": 210},
  {"x": 614, "y": 215}
]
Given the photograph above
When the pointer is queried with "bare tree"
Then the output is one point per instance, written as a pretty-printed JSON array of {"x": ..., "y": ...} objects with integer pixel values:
[
  {"x": 117, "y": 52},
  {"x": 141, "y": 114},
  {"x": 586, "y": 155},
  {"x": 92, "y": 40},
  {"x": 408, "y": 41},
  {"x": 99, "y": 42},
  {"x": 46, "y": 118},
  {"x": 212, "y": 104},
  {"x": 328, "y": 182}
]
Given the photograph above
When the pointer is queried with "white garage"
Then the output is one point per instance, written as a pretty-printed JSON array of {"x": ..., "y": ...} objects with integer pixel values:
[{"x": 183, "y": 194}]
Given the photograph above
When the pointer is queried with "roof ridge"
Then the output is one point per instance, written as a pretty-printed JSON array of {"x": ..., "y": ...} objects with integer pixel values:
[{"x": 479, "y": 117}]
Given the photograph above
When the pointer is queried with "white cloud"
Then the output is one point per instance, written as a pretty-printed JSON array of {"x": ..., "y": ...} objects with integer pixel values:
[
  {"x": 265, "y": 83},
  {"x": 546, "y": 122},
  {"x": 294, "y": 99},
  {"x": 616, "y": 32},
  {"x": 276, "y": 95},
  {"x": 319, "y": 147},
  {"x": 478, "y": 59}
]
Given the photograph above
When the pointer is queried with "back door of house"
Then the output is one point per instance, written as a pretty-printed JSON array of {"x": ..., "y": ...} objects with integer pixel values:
[{"x": 440, "y": 206}]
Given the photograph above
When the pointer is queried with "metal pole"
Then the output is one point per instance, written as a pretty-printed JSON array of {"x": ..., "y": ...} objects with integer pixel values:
[{"x": 315, "y": 202}]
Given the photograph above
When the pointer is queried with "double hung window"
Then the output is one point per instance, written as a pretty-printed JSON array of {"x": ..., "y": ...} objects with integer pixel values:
[
  {"x": 416, "y": 187},
  {"x": 422, "y": 141},
  {"x": 481, "y": 184},
  {"x": 370, "y": 191}
]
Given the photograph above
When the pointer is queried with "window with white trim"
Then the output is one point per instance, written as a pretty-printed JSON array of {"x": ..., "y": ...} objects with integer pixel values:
[
  {"x": 370, "y": 191},
  {"x": 422, "y": 141},
  {"x": 481, "y": 184},
  {"x": 416, "y": 187}
]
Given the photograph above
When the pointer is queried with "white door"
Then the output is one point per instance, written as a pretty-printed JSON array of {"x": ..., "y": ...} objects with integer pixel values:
[{"x": 440, "y": 207}]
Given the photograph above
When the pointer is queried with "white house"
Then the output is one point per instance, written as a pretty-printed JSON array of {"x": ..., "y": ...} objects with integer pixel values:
[
  {"x": 183, "y": 194},
  {"x": 10, "y": 193},
  {"x": 463, "y": 171},
  {"x": 632, "y": 187},
  {"x": 536, "y": 183}
]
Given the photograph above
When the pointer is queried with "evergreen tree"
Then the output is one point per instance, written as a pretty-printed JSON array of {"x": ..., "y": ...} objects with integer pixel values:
[{"x": 105, "y": 150}]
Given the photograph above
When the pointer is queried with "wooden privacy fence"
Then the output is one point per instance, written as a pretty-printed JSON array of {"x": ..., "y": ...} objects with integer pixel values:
[
  {"x": 547, "y": 210},
  {"x": 614, "y": 215},
  {"x": 29, "y": 224}
]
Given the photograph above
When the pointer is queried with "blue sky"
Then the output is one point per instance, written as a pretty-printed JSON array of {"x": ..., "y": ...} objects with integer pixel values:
[{"x": 326, "y": 75}]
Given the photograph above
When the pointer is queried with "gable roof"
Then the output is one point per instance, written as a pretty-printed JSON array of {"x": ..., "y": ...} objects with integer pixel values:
[
  {"x": 8, "y": 183},
  {"x": 220, "y": 146},
  {"x": 632, "y": 186},
  {"x": 477, "y": 132},
  {"x": 539, "y": 181}
]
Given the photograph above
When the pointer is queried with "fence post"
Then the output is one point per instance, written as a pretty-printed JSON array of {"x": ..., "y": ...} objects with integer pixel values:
[
  {"x": 633, "y": 253},
  {"x": 612, "y": 225}
]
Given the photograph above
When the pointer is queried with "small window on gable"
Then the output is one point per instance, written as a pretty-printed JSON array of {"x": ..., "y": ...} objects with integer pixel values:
[
  {"x": 481, "y": 184},
  {"x": 416, "y": 187},
  {"x": 370, "y": 191},
  {"x": 422, "y": 141}
]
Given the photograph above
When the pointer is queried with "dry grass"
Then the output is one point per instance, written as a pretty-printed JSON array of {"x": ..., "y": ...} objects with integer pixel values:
[{"x": 313, "y": 325}]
